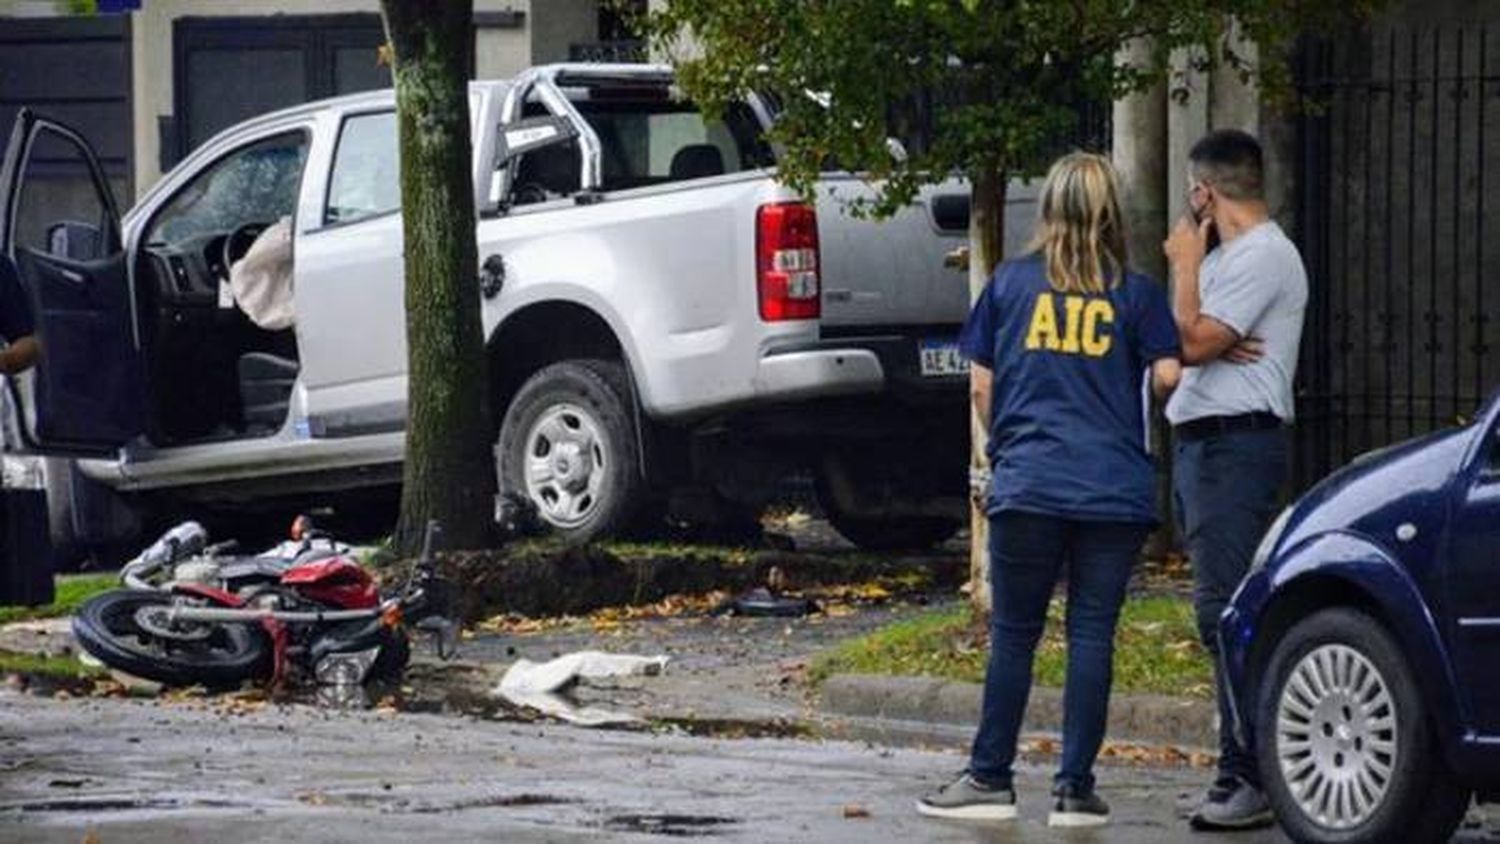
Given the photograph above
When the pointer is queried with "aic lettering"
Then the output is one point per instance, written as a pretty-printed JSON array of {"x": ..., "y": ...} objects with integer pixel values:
[{"x": 1081, "y": 326}]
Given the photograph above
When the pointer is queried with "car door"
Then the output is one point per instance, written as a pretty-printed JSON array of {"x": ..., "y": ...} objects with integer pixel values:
[
  {"x": 60, "y": 231},
  {"x": 1472, "y": 576}
]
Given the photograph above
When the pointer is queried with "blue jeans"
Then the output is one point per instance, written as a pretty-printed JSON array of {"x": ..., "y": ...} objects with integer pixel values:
[
  {"x": 1027, "y": 555},
  {"x": 1227, "y": 488}
]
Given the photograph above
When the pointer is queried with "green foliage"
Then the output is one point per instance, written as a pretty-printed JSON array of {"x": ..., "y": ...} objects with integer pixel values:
[
  {"x": 1156, "y": 649},
  {"x": 1005, "y": 76},
  {"x": 71, "y": 592},
  {"x": 78, "y": 7}
]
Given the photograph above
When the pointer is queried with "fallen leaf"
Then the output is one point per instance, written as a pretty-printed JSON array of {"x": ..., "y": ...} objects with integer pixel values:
[{"x": 854, "y": 810}]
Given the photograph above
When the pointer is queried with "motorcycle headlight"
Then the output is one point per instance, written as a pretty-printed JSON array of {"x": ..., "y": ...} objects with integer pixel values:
[
  {"x": 345, "y": 668},
  {"x": 1268, "y": 542}
]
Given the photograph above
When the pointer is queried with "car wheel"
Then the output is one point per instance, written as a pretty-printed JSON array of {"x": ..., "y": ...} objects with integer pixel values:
[
  {"x": 566, "y": 443},
  {"x": 1346, "y": 745}
]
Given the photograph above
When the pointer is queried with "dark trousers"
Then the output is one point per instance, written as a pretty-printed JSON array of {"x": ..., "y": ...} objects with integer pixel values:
[
  {"x": 1227, "y": 488},
  {"x": 1027, "y": 555}
]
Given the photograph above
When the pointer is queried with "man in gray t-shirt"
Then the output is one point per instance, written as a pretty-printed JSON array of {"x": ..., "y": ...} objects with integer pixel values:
[
  {"x": 1256, "y": 287},
  {"x": 1239, "y": 309}
]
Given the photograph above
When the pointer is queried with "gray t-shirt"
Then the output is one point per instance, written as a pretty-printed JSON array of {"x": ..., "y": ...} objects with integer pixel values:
[{"x": 1256, "y": 285}]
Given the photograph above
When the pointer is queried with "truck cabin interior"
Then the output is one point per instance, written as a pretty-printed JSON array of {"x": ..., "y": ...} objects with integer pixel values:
[
  {"x": 648, "y": 136},
  {"x": 213, "y": 373}
]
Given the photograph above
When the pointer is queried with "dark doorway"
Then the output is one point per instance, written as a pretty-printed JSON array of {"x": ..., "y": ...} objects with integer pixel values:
[
  {"x": 75, "y": 70},
  {"x": 1400, "y": 235},
  {"x": 227, "y": 70}
]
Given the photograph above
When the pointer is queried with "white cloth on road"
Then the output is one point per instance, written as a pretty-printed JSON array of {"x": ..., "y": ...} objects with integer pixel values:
[
  {"x": 557, "y": 674},
  {"x": 261, "y": 281},
  {"x": 537, "y": 684}
]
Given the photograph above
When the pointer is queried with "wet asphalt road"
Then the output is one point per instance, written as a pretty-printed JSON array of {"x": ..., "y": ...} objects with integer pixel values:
[
  {"x": 212, "y": 770},
  {"x": 144, "y": 771}
]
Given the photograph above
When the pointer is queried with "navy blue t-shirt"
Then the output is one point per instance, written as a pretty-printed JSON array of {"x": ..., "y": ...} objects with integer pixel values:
[{"x": 1067, "y": 426}]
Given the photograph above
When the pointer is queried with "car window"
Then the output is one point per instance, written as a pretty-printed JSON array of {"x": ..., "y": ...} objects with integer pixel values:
[
  {"x": 366, "y": 180},
  {"x": 60, "y": 211},
  {"x": 653, "y": 140},
  {"x": 254, "y": 184}
]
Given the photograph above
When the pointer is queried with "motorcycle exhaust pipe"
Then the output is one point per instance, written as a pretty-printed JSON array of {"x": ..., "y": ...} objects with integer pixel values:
[{"x": 223, "y": 614}]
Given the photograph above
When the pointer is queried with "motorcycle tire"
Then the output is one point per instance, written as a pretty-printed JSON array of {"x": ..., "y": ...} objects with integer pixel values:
[{"x": 231, "y": 653}]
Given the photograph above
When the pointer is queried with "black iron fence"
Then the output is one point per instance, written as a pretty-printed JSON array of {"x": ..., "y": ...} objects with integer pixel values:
[
  {"x": 617, "y": 51},
  {"x": 1399, "y": 236}
]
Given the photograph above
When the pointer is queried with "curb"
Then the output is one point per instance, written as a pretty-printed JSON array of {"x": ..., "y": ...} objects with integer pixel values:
[{"x": 1151, "y": 719}]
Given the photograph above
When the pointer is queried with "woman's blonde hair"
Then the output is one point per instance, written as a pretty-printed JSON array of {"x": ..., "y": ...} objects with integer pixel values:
[{"x": 1081, "y": 234}]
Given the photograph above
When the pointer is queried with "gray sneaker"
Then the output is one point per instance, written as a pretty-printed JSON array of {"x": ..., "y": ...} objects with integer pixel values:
[
  {"x": 1243, "y": 807},
  {"x": 967, "y": 799}
]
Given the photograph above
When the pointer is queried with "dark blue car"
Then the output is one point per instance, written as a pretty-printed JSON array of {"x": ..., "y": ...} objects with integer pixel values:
[{"x": 1364, "y": 648}]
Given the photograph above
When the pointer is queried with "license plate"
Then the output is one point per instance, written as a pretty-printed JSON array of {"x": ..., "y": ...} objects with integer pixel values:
[{"x": 941, "y": 357}]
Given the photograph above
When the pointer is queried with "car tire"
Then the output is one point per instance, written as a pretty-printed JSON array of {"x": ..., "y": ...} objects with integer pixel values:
[
  {"x": 567, "y": 443},
  {"x": 1347, "y": 749}
]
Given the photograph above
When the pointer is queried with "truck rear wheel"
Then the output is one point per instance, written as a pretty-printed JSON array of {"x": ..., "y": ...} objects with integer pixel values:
[
  {"x": 899, "y": 533},
  {"x": 566, "y": 443},
  {"x": 895, "y": 531}
]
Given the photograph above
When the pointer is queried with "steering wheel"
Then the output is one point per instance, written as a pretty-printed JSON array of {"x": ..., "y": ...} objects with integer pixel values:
[{"x": 238, "y": 242}]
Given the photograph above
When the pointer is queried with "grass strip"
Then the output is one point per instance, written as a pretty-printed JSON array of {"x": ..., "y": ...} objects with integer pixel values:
[
  {"x": 71, "y": 591},
  {"x": 52, "y": 667},
  {"x": 1156, "y": 649}
]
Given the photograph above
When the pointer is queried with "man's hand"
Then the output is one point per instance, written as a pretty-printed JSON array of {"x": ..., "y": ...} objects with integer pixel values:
[
  {"x": 1248, "y": 350},
  {"x": 1188, "y": 243},
  {"x": 19, "y": 356}
]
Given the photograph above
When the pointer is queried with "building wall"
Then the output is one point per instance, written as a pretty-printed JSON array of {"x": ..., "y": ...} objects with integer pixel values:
[{"x": 547, "y": 28}]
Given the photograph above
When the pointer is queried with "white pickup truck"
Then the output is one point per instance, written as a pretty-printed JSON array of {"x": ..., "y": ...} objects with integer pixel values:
[{"x": 666, "y": 324}]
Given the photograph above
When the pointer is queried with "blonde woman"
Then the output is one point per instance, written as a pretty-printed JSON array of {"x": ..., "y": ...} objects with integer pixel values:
[{"x": 1060, "y": 342}]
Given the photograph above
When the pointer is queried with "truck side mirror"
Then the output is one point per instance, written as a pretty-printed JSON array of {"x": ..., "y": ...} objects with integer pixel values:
[
  {"x": 517, "y": 139},
  {"x": 75, "y": 241}
]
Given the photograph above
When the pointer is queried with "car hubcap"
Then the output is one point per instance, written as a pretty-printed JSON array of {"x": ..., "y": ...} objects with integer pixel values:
[
  {"x": 565, "y": 464},
  {"x": 1336, "y": 736}
]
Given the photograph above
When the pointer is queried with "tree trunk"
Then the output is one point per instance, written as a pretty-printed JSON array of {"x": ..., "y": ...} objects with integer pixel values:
[
  {"x": 1139, "y": 151},
  {"x": 986, "y": 247},
  {"x": 449, "y": 474}
]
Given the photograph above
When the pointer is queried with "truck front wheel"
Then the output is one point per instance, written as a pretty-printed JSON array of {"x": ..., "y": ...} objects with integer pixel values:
[{"x": 567, "y": 444}]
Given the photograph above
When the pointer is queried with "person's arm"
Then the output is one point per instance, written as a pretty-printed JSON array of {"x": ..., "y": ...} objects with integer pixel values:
[
  {"x": 1156, "y": 337},
  {"x": 981, "y": 391},
  {"x": 19, "y": 356},
  {"x": 1165, "y": 375},
  {"x": 1203, "y": 338}
]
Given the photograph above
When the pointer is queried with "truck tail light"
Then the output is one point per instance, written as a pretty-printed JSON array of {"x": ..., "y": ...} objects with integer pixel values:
[{"x": 786, "y": 261}]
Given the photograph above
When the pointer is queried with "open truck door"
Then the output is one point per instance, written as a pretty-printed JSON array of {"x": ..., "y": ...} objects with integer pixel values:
[
  {"x": 60, "y": 231},
  {"x": 61, "y": 245}
]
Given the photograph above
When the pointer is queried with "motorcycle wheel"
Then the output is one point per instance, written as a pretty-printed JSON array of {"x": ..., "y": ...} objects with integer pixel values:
[{"x": 217, "y": 655}]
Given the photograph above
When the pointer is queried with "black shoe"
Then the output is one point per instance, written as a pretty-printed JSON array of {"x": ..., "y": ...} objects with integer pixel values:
[{"x": 1077, "y": 806}]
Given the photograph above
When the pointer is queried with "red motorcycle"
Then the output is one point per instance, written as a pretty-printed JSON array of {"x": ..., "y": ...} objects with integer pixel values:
[{"x": 191, "y": 615}]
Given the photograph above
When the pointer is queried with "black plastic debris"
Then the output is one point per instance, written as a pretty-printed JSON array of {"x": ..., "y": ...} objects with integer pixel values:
[{"x": 762, "y": 602}]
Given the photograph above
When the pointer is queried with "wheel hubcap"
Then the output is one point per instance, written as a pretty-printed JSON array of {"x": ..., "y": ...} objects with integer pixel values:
[
  {"x": 1336, "y": 736},
  {"x": 156, "y": 619},
  {"x": 566, "y": 460}
]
